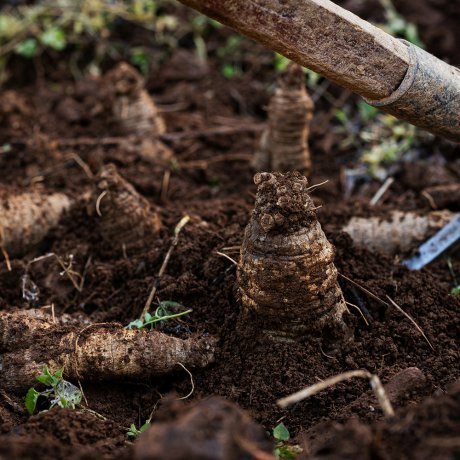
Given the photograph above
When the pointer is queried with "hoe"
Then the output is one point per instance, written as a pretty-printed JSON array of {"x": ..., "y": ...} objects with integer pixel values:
[{"x": 394, "y": 75}]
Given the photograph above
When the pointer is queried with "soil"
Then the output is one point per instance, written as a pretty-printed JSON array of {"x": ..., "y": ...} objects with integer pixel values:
[{"x": 53, "y": 130}]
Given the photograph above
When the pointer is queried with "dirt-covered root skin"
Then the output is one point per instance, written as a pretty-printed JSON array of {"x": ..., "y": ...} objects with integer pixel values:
[
  {"x": 19, "y": 329},
  {"x": 94, "y": 353},
  {"x": 133, "y": 108},
  {"x": 26, "y": 218},
  {"x": 125, "y": 218},
  {"x": 400, "y": 232},
  {"x": 284, "y": 145},
  {"x": 286, "y": 274}
]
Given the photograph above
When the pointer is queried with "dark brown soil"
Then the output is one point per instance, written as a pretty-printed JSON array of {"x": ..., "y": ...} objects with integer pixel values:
[{"x": 211, "y": 181}]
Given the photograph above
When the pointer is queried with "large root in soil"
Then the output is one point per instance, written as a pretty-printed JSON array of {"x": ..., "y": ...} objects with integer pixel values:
[
  {"x": 26, "y": 218},
  {"x": 213, "y": 429},
  {"x": 399, "y": 233},
  {"x": 286, "y": 273},
  {"x": 126, "y": 219},
  {"x": 95, "y": 352},
  {"x": 284, "y": 145}
]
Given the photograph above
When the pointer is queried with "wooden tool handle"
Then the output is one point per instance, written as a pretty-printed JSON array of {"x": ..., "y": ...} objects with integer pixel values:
[
  {"x": 321, "y": 36},
  {"x": 397, "y": 77}
]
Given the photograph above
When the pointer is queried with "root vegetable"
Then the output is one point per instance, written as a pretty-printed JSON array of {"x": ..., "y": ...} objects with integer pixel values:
[
  {"x": 125, "y": 217},
  {"x": 284, "y": 145},
  {"x": 92, "y": 353},
  {"x": 133, "y": 107},
  {"x": 286, "y": 273},
  {"x": 26, "y": 218},
  {"x": 399, "y": 233}
]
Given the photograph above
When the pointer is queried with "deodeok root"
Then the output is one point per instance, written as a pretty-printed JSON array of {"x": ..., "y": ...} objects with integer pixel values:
[
  {"x": 286, "y": 274},
  {"x": 92, "y": 353},
  {"x": 284, "y": 145},
  {"x": 126, "y": 219},
  {"x": 399, "y": 232},
  {"x": 26, "y": 218}
]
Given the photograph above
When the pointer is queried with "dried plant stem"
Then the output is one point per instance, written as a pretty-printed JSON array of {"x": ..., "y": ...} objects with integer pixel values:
[
  {"x": 381, "y": 191},
  {"x": 412, "y": 320},
  {"x": 174, "y": 242},
  {"x": 71, "y": 274},
  {"x": 392, "y": 302},
  {"x": 374, "y": 381},
  {"x": 191, "y": 381},
  {"x": 7, "y": 258}
]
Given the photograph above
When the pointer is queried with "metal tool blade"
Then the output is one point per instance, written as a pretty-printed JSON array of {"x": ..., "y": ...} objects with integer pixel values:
[{"x": 444, "y": 239}]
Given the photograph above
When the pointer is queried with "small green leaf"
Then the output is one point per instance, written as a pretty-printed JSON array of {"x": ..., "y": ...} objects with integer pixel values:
[
  {"x": 455, "y": 290},
  {"x": 46, "y": 377},
  {"x": 54, "y": 38},
  {"x": 281, "y": 433},
  {"x": 136, "y": 323},
  {"x": 147, "y": 317},
  {"x": 133, "y": 432},
  {"x": 31, "y": 400},
  {"x": 28, "y": 48},
  {"x": 58, "y": 373}
]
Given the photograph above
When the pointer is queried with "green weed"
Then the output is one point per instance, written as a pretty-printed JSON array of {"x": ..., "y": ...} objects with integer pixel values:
[
  {"x": 134, "y": 432},
  {"x": 283, "y": 450},
  {"x": 162, "y": 313},
  {"x": 59, "y": 392}
]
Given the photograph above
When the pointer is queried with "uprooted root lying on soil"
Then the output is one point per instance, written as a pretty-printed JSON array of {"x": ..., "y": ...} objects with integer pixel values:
[
  {"x": 399, "y": 233},
  {"x": 284, "y": 145},
  {"x": 93, "y": 353},
  {"x": 26, "y": 218},
  {"x": 125, "y": 218},
  {"x": 286, "y": 273}
]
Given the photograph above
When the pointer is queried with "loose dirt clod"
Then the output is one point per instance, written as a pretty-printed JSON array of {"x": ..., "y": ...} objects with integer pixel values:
[
  {"x": 284, "y": 145},
  {"x": 212, "y": 429},
  {"x": 126, "y": 219},
  {"x": 26, "y": 218},
  {"x": 286, "y": 273},
  {"x": 92, "y": 353},
  {"x": 400, "y": 233}
]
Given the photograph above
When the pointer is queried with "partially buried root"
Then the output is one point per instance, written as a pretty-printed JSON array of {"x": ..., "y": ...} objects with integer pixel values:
[
  {"x": 91, "y": 353},
  {"x": 125, "y": 218},
  {"x": 26, "y": 218},
  {"x": 136, "y": 113},
  {"x": 398, "y": 232},
  {"x": 284, "y": 145},
  {"x": 287, "y": 279}
]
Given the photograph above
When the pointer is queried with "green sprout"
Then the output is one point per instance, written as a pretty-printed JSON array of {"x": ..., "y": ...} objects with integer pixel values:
[
  {"x": 162, "y": 313},
  {"x": 59, "y": 392},
  {"x": 134, "y": 432},
  {"x": 283, "y": 450}
]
